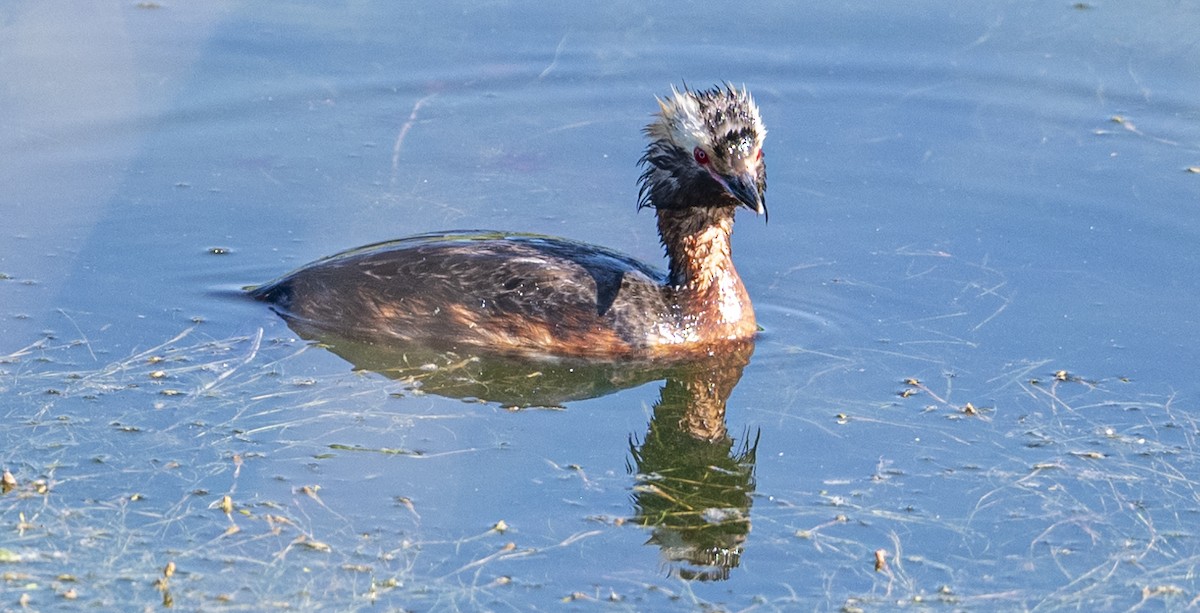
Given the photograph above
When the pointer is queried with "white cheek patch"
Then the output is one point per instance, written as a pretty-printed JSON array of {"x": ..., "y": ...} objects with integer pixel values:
[{"x": 687, "y": 125}]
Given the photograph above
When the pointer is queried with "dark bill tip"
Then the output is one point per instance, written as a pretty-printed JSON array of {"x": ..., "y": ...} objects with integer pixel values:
[{"x": 744, "y": 187}]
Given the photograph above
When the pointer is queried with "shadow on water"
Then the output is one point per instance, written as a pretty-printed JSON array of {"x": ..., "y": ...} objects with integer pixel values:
[{"x": 694, "y": 482}]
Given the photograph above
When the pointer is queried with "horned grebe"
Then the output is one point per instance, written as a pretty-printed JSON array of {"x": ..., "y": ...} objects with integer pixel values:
[{"x": 538, "y": 296}]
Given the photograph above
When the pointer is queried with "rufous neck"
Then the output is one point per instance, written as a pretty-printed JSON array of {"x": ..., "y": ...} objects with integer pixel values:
[{"x": 697, "y": 241}]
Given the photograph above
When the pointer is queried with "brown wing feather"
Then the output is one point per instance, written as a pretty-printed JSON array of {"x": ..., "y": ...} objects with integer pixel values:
[{"x": 505, "y": 292}]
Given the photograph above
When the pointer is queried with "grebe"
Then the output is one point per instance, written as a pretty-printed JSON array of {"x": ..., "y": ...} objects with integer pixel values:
[{"x": 538, "y": 296}]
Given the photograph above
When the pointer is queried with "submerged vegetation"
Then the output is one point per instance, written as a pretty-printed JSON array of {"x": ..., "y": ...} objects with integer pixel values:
[{"x": 238, "y": 473}]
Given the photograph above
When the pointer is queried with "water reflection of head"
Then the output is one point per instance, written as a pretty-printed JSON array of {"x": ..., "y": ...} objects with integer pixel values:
[{"x": 694, "y": 481}]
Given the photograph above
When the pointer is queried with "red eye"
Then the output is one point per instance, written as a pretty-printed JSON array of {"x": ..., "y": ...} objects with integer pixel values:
[
  {"x": 701, "y": 156},
  {"x": 759, "y": 155}
]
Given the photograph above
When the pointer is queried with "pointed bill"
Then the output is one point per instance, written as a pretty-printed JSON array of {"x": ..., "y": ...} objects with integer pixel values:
[{"x": 744, "y": 187}]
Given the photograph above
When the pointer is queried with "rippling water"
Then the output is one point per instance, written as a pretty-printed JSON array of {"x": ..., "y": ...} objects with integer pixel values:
[{"x": 990, "y": 205}]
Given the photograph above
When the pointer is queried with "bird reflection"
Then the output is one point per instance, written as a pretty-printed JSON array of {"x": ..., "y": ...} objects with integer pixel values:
[{"x": 694, "y": 482}]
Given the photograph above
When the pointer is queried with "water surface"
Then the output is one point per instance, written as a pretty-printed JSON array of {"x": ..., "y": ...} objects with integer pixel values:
[{"x": 985, "y": 205}]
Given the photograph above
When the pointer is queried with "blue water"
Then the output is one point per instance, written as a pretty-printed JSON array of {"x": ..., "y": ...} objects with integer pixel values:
[{"x": 974, "y": 196}]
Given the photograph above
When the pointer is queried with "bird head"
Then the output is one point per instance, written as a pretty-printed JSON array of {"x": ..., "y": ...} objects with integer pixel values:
[{"x": 705, "y": 150}]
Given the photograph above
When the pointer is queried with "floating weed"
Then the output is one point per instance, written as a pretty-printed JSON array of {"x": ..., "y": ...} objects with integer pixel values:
[
  {"x": 80, "y": 530},
  {"x": 380, "y": 450},
  {"x": 1095, "y": 498},
  {"x": 1040, "y": 492}
]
